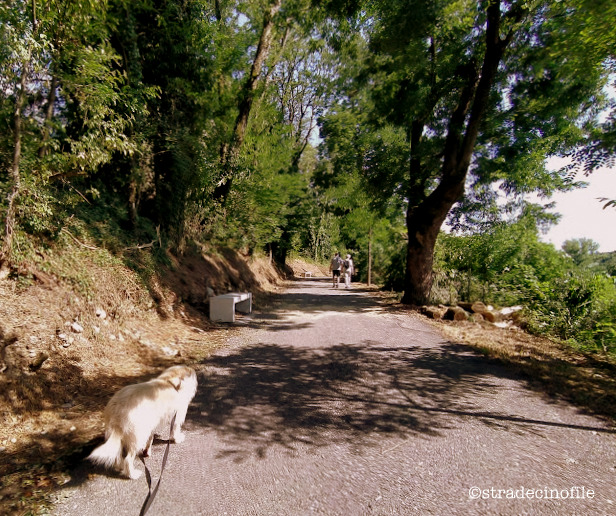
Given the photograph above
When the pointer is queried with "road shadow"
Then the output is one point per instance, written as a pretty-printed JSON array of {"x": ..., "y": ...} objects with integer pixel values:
[
  {"x": 264, "y": 397},
  {"x": 268, "y": 395}
]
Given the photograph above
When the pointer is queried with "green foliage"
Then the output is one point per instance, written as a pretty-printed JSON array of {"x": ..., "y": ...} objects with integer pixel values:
[
  {"x": 581, "y": 250},
  {"x": 129, "y": 110},
  {"x": 510, "y": 266},
  {"x": 577, "y": 306},
  {"x": 425, "y": 74},
  {"x": 79, "y": 111}
]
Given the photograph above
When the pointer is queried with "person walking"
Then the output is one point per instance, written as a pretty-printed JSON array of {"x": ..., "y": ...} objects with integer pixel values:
[
  {"x": 335, "y": 267},
  {"x": 349, "y": 270}
]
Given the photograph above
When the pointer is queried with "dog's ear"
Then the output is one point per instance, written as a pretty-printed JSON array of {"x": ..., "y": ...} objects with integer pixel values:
[{"x": 176, "y": 382}]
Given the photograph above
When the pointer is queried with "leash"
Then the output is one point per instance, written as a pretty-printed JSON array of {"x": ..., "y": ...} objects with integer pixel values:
[{"x": 152, "y": 494}]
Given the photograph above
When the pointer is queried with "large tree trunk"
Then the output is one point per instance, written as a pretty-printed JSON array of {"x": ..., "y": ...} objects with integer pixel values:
[
  {"x": 424, "y": 221},
  {"x": 229, "y": 153}
]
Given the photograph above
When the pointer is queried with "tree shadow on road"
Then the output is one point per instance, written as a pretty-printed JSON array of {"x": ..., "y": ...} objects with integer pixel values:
[{"x": 268, "y": 395}]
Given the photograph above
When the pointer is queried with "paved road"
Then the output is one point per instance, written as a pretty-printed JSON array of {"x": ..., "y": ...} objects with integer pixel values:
[{"x": 332, "y": 405}]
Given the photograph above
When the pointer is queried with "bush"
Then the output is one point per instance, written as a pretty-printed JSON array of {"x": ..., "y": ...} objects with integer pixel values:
[{"x": 561, "y": 299}]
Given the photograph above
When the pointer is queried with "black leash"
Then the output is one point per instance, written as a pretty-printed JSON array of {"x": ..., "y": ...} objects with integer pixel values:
[{"x": 152, "y": 494}]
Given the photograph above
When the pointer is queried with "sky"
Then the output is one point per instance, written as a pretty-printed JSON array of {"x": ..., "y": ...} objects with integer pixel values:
[{"x": 583, "y": 215}]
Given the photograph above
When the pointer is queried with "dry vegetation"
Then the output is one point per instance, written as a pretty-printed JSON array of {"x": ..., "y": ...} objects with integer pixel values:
[{"x": 77, "y": 326}]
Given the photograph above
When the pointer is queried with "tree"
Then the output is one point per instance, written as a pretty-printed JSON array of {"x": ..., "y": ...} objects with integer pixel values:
[
  {"x": 22, "y": 61},
  {"x": 230, "y": 150},
  {"x": 168, "y": 47},
  {"x": 581, "y": 250},
  {"x": 595, "y": 24},
  {"x": 59, "y": 76},
  {"x": 483, "y": 94}
]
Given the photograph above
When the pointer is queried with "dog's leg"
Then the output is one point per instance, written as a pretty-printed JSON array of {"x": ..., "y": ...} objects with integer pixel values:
[
  {"x": 129, "y": 468},
  {"x": 128, "y": 464},
  {"x": 176, "y": 434},
  {"x": 148, "y": 446}
]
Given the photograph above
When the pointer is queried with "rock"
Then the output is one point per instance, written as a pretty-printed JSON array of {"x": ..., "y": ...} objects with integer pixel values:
[
  {"x": 40, "y": 360},
  {"x": 491, "y": 316},
  {"x": 169, "y": 351},
  {"x": 67, "y": 342},
  {"x": 477, "y": 317},
  {"x": 76, "y": 327},
  {"x": 456, "y": 313},
  {"x": 433, "y": 312},
  {"x": 510, "y": 310},
  {"x": 100, "y": 313}
]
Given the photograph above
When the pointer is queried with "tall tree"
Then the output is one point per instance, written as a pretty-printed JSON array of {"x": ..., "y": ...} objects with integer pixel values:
[
  {"x": 484, "y": 94},
  {"x": 230, "y": 150},
  {"x": 168, "y": 51},
  {"x": 581, "y": 250},
  {"x": 22, "y": 62},
  {"x": 57, "y": 72}
]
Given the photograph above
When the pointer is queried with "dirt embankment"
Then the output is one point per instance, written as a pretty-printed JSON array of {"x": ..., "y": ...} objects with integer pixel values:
[{"x": 80, "y": 325}]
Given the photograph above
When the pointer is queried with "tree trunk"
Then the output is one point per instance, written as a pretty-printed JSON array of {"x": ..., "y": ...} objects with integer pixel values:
[
  {"x": 133, "y": 192},
  {"x": 229, "y": 153},
  {"x": 14, "y": 176},
  {"x": 424, "y": 221},
  {"x": 51, "y": 100}
]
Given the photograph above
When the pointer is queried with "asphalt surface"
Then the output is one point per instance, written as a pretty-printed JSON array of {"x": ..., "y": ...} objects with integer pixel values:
[{"x": 331, "y": 404}]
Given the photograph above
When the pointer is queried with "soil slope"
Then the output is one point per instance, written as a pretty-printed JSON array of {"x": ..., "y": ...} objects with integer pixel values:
[{"x": 77, "y": 327}]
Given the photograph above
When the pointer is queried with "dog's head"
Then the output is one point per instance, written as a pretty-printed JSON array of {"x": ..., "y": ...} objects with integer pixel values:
[{"x": 182, "y": 378}]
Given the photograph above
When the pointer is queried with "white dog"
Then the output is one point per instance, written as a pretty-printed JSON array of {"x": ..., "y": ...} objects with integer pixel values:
[{"x": 134, "y": 412}]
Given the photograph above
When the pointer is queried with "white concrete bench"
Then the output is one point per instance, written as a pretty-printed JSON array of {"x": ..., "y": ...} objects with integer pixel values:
[
  {"x": 307, "y": 274},
  {"x": 222, "y": 308}
]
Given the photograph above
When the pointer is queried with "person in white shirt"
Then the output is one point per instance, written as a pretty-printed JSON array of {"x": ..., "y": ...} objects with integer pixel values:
[{"x": 349, "y": 270}]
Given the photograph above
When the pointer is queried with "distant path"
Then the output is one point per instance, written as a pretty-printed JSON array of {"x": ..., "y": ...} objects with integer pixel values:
[{"x": 332, "y": 405}]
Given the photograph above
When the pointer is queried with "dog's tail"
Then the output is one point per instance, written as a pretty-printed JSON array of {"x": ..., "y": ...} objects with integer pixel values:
[{"x": 109, "y": 453}]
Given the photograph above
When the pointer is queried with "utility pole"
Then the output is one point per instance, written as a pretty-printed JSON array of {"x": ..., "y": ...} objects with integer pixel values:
[{"x": 370, "y": 257}]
